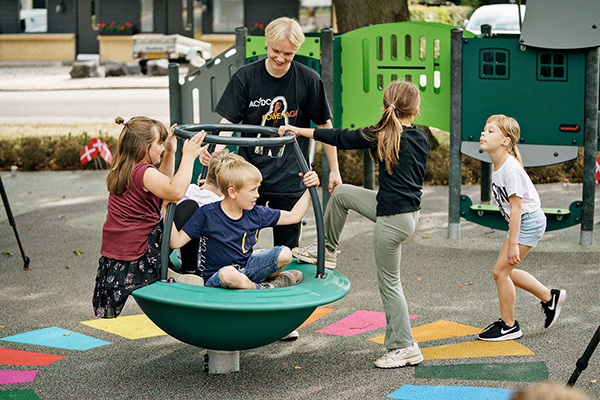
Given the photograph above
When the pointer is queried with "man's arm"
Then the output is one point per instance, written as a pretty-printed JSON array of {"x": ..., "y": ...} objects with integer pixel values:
[{"x": 335, "y": 178}]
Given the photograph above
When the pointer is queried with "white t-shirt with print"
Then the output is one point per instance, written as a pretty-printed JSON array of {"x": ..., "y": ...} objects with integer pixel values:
[
  {"x": 511, "y": 179},
  {"x": 199, "y": 195}
]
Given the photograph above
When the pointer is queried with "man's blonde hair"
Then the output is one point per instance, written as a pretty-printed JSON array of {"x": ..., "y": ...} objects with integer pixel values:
[
  {"x": 284, "y": 28},
  {"x": 233, "y": 171}
]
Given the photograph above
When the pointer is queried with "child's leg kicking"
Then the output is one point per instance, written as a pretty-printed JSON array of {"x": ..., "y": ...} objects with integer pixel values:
[{"x": 344, "y": 198}]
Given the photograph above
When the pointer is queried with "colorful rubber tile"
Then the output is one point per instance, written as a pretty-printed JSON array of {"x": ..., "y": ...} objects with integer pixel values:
[
  {"x": 130, "y": 327},
  {"x": 26, "y": 394},
  {"x": 476, "y": 348},
  {"x": 422, "y": 392},
  {"x": 506, "y": 372},
  {"x": 356, "y": 323},
  {"x": 57, "y": 337},
  {"x": 16, "y": 376},
  {"x": 320, "y": 312},
  {"x": 22, "y": 357}
]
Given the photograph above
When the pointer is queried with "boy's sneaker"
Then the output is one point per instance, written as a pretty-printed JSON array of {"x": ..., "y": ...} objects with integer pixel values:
[
  {"x": 284, "y": 279},
  {"x": 552, "y": 308},
  {"x": 395, "y": 358},
  {"x": 499, "y": 331},
  {"x": 308, "y": 254}
]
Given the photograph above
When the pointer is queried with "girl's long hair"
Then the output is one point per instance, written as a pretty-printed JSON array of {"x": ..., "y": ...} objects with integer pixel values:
[
  {"x": 400, "y": 100},
  {"x": 511, "y": 129},
  {"x": 136, "y": 138}
]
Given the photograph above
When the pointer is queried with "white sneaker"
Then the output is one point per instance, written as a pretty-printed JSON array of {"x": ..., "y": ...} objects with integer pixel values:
[
  {"x": 190, "y": 279},
  {"x": 308, "y": 255},
  {"x": 291, "y": 336},
  {"x": 395, "y": 358}
]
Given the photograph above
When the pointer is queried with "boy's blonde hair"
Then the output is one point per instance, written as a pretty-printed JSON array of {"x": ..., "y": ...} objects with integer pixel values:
[
  {"x": 234, "y": 171},
  {"x": 284, "y": 28},
  {"x": 511, "y": 129}
]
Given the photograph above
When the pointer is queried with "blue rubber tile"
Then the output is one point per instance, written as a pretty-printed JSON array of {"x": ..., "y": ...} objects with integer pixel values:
[
  {"x": 57, "y": 337},
  {"x": 424, "y": 392}
]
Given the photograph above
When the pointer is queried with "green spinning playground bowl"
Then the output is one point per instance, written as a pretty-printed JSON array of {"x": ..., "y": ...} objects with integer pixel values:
[{"x": 221, "y": 319}]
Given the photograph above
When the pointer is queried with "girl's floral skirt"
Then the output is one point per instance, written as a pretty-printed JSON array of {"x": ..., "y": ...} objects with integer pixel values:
[{"x": 116, "y": 279}]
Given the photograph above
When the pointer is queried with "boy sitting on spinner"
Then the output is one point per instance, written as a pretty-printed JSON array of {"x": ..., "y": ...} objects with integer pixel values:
[{"x": 228, "y": 230}]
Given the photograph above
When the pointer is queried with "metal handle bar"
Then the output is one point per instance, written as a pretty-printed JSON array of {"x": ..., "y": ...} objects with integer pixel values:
[{"x": 189, "y": 131}]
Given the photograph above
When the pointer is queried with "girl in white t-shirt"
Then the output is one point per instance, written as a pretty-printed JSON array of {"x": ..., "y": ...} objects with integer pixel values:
[{"x": 520, "y": 205}]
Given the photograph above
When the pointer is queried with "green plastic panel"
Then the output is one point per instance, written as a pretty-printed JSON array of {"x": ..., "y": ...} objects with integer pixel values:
[
  {"x": 311, "y": 48},
  {"x": 543, "y": 89},
  {"x": 371, "y": 57},
  {"x": 222, "y": 319},
  {"x": 489, "y": 215}
]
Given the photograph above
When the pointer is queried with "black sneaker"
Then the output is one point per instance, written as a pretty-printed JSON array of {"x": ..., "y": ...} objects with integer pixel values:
[
  {"x": 552, "y": 308},
  {"x": 499, "y": 331}
]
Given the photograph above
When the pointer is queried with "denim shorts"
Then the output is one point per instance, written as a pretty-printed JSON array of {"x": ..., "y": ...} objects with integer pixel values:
[
  {"x": 259, "y": 266},
  {"x": 533, "y": 226}
]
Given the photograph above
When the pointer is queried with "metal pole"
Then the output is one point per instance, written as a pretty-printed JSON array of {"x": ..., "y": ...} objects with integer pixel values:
[
  {"x": 240, "y": 47},
  {"x": 327, "y": 76},
  {"x": 454, "y": 179},
  {"x": 485, "y": 190},
  {"x": 590, "y": 146},
  {"x": 175, "y": 113},
  {"x": 368, "y": 171}
]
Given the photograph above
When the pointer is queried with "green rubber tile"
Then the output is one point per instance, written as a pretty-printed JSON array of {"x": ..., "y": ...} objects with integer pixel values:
[
  {"x": 507, "y": 372},
  {"x": 27, "y": 394}
]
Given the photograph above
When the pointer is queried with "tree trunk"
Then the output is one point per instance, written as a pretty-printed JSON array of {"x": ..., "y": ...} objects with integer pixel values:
[{"x": 353, "y": 14}]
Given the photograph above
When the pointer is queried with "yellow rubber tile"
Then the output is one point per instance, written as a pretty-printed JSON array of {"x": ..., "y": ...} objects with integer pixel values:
[
  {"x": 474, "y": 349},
  {"x": 318, "y": 313},
  {"x": 130, "y": 327},
  {"x": 443, "y": 330},
  {"x": 437, "y": 330}
]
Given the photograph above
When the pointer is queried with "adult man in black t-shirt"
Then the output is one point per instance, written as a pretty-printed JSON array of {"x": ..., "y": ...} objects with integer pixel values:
[{"x": 273, "y": 92}]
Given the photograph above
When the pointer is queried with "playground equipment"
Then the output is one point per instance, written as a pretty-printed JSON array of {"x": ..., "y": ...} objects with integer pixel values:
[
  {"x": 552, "y": 91},
  {"x": 226, "y": 321},
  {"x": 549, "y": 85}
]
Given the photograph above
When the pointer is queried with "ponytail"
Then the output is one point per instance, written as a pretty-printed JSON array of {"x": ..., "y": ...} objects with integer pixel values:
[{"x": 400, "y": 100}]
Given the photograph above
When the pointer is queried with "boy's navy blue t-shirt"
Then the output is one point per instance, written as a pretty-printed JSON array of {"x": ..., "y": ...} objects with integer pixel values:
[{"x": 225, "y": 241}]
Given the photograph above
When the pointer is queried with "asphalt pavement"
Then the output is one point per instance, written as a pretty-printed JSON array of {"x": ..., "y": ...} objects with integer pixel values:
[{"x": 59, "y": 217}]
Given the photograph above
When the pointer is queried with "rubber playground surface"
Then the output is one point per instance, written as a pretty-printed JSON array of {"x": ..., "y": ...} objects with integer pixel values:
[{"x": 52, "y": 346}]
